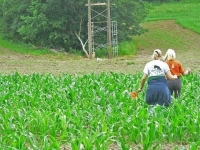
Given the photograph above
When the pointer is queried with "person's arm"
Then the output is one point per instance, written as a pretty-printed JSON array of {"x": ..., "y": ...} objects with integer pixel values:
[
  {"x": 142, "y": 82},
  {"x": 170, "y": 76},
  {"x": 181, "y": 69}
]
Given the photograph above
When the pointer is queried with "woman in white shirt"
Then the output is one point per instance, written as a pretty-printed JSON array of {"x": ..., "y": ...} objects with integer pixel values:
[{"x": 157, "y": 71}]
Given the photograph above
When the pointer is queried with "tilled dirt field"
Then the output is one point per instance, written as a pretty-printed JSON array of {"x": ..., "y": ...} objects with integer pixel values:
[{"x": 187, "y": 53}]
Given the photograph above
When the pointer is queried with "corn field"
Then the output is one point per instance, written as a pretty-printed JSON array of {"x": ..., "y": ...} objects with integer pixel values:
[{"x": 94, "y": 112}]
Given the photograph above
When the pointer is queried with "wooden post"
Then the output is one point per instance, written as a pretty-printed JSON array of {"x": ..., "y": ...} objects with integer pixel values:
[
  {"x": 89, "y": 30},
  {"x": 109, "y": 29}
]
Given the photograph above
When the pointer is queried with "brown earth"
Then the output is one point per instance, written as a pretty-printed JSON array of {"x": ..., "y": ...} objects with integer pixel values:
[{"x": 187, "y": 51}]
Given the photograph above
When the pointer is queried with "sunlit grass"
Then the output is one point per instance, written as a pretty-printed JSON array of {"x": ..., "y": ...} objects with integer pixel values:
[
  {"x": 127, "y": 48},
  {"x": 22, "y": 48},
  {"x": 185, "y": 14}
]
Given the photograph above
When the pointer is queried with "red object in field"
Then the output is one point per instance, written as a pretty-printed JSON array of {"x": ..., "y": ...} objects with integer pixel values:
[{"x": 133, "y": 95}]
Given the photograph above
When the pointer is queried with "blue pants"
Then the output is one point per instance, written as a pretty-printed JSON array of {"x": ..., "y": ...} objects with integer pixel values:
[{"x": 158, "y": 92}]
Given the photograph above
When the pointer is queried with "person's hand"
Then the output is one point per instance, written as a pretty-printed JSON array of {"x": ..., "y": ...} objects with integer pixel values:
[
  {"x": 139, "y": 90},
  {"x": 175, "y": 76},
  {"x": 188, "y": 69}
]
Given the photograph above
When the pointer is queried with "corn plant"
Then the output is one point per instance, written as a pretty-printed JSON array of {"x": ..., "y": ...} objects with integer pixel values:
[{"x": 94, "y": 111}]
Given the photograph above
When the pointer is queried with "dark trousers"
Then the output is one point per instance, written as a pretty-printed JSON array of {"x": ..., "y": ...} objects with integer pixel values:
[
  {"x": 175, "y": 87},
  {"x": 158, "y": 92}
]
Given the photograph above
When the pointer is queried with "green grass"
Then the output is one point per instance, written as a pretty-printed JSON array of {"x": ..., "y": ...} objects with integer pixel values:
[
  {"x": 126, "y": 48},
  {"x": 22, "y": 48},
  {"x": 169, "y": 36},
  {"x": 160, "y": 38},
  {"x": 185, "y": 14}
]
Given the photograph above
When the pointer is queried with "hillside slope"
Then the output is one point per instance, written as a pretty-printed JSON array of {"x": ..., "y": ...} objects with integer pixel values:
[
  {"x": 161, "y": 34},
  {"x": 166, "y": 34}
]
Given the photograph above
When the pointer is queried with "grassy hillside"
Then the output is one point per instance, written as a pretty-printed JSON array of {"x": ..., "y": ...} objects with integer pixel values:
[
  {"x": 166, "y": 28},
  {"x": 185, "y": 14}
]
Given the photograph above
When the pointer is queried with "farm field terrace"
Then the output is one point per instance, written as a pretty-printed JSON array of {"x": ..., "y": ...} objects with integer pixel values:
[{"x": 94, "y": 111}]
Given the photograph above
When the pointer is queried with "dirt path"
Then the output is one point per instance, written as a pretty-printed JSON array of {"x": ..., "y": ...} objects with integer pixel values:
[{"x": 187, "y": 51}]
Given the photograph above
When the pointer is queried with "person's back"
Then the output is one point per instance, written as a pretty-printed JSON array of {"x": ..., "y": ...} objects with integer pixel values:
[
  {"x": 155, "y": 68},
  {"x": 176, "y": 67},
  {"x": 157, "y": 83}
]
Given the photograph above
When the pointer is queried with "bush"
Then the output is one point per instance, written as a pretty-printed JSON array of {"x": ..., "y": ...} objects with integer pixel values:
[{"x": 127, "y": 48}]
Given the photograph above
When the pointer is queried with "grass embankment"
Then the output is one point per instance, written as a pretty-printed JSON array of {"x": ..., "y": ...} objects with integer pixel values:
[
  {"x": 7, "y": 46},
  {"x": 173, "y": 25},
  {"x": 185, "y": 14}
]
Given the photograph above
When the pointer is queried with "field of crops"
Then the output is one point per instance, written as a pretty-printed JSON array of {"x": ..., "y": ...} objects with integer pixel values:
[{"x": 93, "y": 111}]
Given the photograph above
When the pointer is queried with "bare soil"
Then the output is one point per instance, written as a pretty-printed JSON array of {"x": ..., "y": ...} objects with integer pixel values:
[{"x": 187, "y": 53}]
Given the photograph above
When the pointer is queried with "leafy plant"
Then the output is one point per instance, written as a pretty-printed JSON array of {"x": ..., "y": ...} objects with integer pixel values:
[{"x": 91, "y": 111}]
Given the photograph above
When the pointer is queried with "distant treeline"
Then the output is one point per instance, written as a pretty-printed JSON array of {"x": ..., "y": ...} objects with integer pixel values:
[{"x": 63, "y": 24}]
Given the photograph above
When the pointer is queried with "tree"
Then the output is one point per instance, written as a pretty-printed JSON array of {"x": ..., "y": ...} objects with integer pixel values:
[
  {"x": 129, "y": 16},
  {"x": 63, "y": 23},
  {"x": 10, "y": 20},
  {"x": 48, "y": 24}
]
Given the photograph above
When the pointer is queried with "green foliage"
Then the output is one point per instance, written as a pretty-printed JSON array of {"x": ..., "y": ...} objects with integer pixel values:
[
  {"x": 53, "y": 23},
  {"x": 124, "y": 48},
  {"x": 43, "y": 23},
  {"x": 127, "y": 48},
  {"x": 102, "y": 53},
  {"x": 49, "y": 24},
  {"x": 93, "y": 111},
  {"x": 20, "y": 47},
  {"x": 10, "y": 21},
  {"x": 75, "y": 52},
  {"x": 129, "y": 15}
]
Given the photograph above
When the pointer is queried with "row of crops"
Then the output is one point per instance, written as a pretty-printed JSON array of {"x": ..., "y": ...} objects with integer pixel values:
[{"x": 93, "y": 111}]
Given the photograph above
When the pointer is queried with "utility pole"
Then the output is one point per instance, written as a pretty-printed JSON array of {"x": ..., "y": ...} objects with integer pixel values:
[
  {"x": 100, "y": 21},
  {"x": 109, "y": 29},
  {"x": 89, "y": 30}
]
